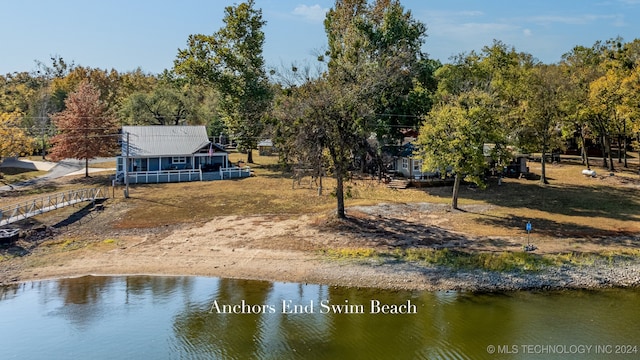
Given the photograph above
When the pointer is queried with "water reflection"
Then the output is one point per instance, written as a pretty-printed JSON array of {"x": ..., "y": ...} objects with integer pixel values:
[
  {"x": 228, "y": 336},
  {"x": 175, "y": 317}
]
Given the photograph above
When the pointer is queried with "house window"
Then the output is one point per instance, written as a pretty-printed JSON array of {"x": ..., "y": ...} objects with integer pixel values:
[
  {"x": 140, "y": 165},
  {"x": 405, "y": 163},
  {"x": 417, "y": 165},
  {"x": 179, "y": 160}
]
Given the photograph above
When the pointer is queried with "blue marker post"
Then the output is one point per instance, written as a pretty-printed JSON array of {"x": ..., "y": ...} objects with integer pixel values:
[{"x": 528, "y": 228}]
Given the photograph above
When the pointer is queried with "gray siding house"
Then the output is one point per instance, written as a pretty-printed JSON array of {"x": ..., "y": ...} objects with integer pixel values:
[
  {"x": 159, "y": 154},
  {"x": 408, "y": 166}
]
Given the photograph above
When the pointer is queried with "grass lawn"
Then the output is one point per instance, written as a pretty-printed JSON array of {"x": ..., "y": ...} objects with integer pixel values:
[{"x": 572, "y": 205}]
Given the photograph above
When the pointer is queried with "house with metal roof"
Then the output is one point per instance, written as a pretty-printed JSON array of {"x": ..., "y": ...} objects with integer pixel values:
[
  {"x": 158, "y": 154},
  {"x": 266, "y": 148}
]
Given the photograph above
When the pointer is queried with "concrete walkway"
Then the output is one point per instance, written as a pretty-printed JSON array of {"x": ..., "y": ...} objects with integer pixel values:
[
  {"x": 28, "y": 164},
  {"x": 55, "y": 170}
]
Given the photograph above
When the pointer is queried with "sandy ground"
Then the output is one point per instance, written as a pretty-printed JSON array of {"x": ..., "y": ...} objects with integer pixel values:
[{"x": 290, "y": 249}]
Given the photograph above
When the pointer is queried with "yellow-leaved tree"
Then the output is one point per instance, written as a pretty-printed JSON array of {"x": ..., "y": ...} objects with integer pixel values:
[{"x": 14, "y": 141}]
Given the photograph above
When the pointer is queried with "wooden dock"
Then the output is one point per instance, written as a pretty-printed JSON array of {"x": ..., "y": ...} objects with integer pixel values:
[{"x": 27, "y": 209}]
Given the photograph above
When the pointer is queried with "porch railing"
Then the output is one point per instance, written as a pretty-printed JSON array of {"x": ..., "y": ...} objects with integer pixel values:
[
  {"x": 162, "y": 176},
  {"x": 235, "y": 172}
]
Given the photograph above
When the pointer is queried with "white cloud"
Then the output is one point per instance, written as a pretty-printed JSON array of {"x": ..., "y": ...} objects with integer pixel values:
[
  {"x": 469, "y": 13},
  {"x": 570, "y": 20},
  {"x": 527, "y": 32},
  {"x": 313, "y": 13}
]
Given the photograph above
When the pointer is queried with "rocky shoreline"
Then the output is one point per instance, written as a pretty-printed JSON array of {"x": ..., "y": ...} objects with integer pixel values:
[
  {"x": 398, "y": 276},
  {"x": 620, "y": 274}
]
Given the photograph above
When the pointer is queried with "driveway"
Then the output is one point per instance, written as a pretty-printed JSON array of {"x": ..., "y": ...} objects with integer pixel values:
[{"x": 55, "y": 170}]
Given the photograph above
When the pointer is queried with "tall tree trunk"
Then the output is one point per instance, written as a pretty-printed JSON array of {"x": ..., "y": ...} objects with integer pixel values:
[
  {"x": 320, "y": 184},
  {"x": 585, "y": 153},
  {"x": 456, "y": 191},
  {"x": 611, "y": 168},
  {"x": 249, "y": 156},
  {"x": 340, "y": 195},
  {"x": 338, "y": 163},
  {"x": 619, "y": 150},
  {"x": 44, "y": 148},
  {"x": 86, "y": 167},
  {"x": 603, "y": 144},
  {"x": 543, "y": 168},
  {"x": 624, "y": 149}
]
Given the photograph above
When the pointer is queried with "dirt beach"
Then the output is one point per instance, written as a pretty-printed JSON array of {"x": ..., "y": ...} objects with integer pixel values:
[{"x": 295, "y": 249}]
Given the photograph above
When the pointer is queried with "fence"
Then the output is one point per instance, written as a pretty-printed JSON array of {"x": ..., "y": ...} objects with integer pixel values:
[
  {"x": 235, "y": 172},
  {"x": 164, "y": 176}
]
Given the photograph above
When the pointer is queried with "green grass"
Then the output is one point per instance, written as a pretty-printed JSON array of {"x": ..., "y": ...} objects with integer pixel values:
[
  {"x": 351, "y": 253},
  {"x": 587, "y": 259},
  {"x": 488, "y": 261}
]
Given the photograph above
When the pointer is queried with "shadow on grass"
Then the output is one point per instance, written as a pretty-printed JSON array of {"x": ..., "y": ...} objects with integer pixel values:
[
  {"x": 273, "y": 171},
  {"x": 17, "y": 171},
  {"x": 85, "y": 212},
  {"x": 552, "y": 228},
  {"x": 39, "y": 189},
  {"x": 92, "y": 180},
  {"x": 393, "y": 233},
  {"x": 570, "y": 200}
]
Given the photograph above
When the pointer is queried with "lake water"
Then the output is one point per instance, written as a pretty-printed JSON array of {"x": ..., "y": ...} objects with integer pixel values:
[{"x": 209, "y": 318}]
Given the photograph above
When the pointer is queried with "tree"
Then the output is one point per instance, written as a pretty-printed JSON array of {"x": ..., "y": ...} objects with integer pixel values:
[
  {"x": 475, "y": 108},
  {"x": 405, "y": 81},
  {"x": 580, "y": 67},
  {"x": 453, "y": 136},
  {"x": 86, "y": 129},
  {"x": 164, "y": 105},
  {"x": 13, "y": 139},
  {"x": 231, "y": 60},
  {"x": 542, "y": 112},
  {"x": 375, "y": 63},
  {"x": 631, "y": 103},
  {"x": 173, "y": 102},
  {"x": 300, "y": 131},
  {"x": 605, "y": 100}
]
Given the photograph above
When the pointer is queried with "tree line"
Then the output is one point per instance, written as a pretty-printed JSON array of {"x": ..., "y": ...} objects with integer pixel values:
[{"x": 373, "y": 82}]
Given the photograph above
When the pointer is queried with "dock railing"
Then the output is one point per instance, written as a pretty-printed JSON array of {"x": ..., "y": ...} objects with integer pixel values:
[{"x": 41, "y": 205}]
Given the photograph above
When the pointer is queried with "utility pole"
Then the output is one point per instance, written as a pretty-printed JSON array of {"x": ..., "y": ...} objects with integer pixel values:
[
  {"x": 42, "y": 121},
  {"x": 126, "y": 171}
]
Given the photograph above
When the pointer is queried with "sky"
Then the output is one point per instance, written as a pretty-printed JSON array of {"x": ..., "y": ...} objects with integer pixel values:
[{"x": 128, "y": 34}]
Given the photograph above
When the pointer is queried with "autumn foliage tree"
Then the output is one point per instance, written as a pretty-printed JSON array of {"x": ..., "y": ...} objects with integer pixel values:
[
  {"x": 13, "y": 139},
  {"x": 86, "y": 129}
]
